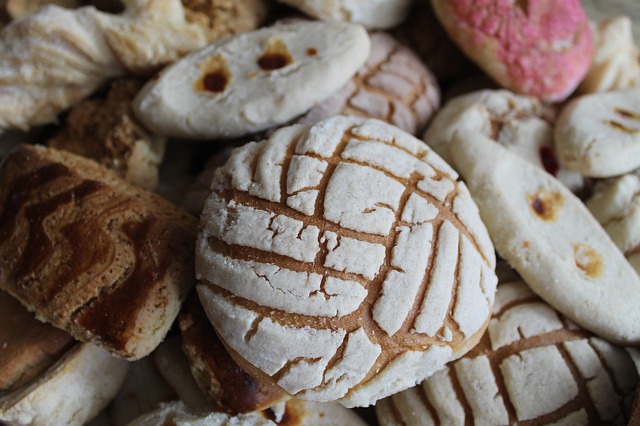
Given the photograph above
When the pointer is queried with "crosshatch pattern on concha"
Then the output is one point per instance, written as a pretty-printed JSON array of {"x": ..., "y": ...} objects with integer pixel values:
[{"x": 352, "y": 240}]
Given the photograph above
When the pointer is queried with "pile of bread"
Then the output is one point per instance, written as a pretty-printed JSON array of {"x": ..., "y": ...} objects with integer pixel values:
[{"x": 312, "y": 212}]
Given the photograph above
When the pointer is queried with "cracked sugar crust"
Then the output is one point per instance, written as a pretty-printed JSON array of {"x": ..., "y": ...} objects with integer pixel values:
[
  {"x": 393, "y": 85},
  {"x": 91, "y": 254},
  {"x": 380, "y": 233},
  {"x": 533, "y": 366}
]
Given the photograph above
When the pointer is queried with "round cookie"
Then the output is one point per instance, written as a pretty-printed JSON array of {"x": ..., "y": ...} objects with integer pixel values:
[
  {"x": 253, "y": 81},
  {"x": 616, "y": 61},
  {"x": 521, "y": 123},
  {"x": 533, "y": 366},
  {"x": 541, "y": 48},
  {"x": 393, "y": 85},
  {"x": 599, "y": 134},
  {"x": 547, "y": 234},
  {"x": 343, "y": 261},
  {"x": 373, "y": 14},
  {"x": 616, "y": 205}
]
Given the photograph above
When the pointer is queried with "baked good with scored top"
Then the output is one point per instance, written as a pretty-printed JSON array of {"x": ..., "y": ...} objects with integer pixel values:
[
  {"x": 90, "y": 253},
  {"x": 533, "y": 367},
  {"x": 343, "y": 261}
]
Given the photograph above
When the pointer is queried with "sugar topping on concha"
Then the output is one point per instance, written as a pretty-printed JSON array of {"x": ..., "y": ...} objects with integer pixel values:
[
  {"x": 533, "y": 366},
  {"x": 343, "y": 261}
]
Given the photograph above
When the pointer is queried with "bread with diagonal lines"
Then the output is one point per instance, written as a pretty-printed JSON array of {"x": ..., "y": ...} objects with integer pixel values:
[
  {"x": 91, "y": 254},
  {"x": 533, "y": 366},
  {"x": 343, "y": 261}
]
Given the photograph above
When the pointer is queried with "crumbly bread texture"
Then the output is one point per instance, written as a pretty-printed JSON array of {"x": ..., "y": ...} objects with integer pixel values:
[
  {"x": 393, "y": 85},
  {"x": 222, "y": 18},
  {"x": 599, "y": 134},
  {"x": 253, "y": 81},
  {"x": 90, "y": 253},
  {"x": 615, "y": 203},
  {"x": 533, "y": 366},
  {"x": 539, "y": 48},
  {"x": 548, "y": 235},
  {"x": 74, "y": 390},
  {"x": 104, "y": 129},
  {"x": 373, "y": 14},
  {"x": 616, "y": 61},
  {"x": 55, "y": 57},
  {"x": 521, "y": 123},
  {"x": 225, "y": 384},
  {"x": 28, "y": 347},
  {"x": 343, "y": 261}
]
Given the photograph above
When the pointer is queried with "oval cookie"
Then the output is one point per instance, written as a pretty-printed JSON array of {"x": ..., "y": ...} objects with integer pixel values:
[
  {"x": 533, "y": 366},
  {"x": 252, "y": 81},
  {"x": 373, "y": 14},
  {"x": 393, "y": 85},
  {"x": 523, "y": 124},
  {"x": 329, "y": 257},
  {"x": 616, "y": 205},
  {"x": 599, "y": 134},
  {"x": 548, "y": 235},
  {"x": 540, "y": 48}
]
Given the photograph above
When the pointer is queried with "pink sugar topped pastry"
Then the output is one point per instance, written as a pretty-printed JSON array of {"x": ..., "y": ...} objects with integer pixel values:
[{"x": 541, "y": 48}]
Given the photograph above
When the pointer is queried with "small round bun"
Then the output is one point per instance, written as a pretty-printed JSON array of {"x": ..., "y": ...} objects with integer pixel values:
[{"x": 343, "y": 261}]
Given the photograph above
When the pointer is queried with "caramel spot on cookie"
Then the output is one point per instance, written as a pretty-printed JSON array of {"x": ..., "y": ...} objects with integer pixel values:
[
  {"x": 546, "y": 205},
  {"x": 588, "y": 260},
  {"x": 312, "y": 51},
  {"x": 215, "y": 75},
  {"x": 275, "y": 56}
]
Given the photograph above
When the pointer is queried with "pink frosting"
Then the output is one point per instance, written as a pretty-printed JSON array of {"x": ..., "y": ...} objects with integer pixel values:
[{"x": 546, "y": 45}]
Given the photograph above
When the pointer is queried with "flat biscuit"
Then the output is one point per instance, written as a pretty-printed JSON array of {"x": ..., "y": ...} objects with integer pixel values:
[
  {"x": 598, "y": 135},
  {"x": 521, "y": 123},
  {"x": 329, "y": 256},
  {"x": 615, "y": 204},
  {"x": 548, "y": 235},
  {"x": 91, "y": 254},
  {"x": 253, "y": 81},
  {"x": 373, "y": 14},
  {"x": 533, "y": 366}
]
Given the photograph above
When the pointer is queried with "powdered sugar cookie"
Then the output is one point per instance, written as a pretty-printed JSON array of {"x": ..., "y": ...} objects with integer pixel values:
[
  {"x": 533, "y": 366},
  {"x": 540, "y": 48},
  {"x": 329, "y": 256},
  {"x": 551, "y": 239},
  {"x": 252, "y": 81},
  {"x": 599, "y": 134},
  {"x": 616, "y": 61},
  {"x": 393, "y": 85},
  {"x": 521, "y": 123},
  {"x": 374, "y": 14},
  {"x": 616, "y": 205}
]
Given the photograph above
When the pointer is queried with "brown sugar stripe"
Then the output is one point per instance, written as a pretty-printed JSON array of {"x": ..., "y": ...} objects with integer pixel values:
[
  {"x": 424, "y": 399},
  {"x": 469, "y": 419},
  {"x": 607, "y": 368},
  {"x": 502, "y": 388},
  {"x": 395, "y": 412}
]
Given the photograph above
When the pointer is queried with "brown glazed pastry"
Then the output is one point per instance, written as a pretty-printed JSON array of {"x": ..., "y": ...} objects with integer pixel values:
[
  {"x": 104, "y": 129},
  {"x": 222, "y": 18},
  {"x": 224, "y": 383},
  {"x": 28, "y": 346},
  {"x": 90, "y": 253}
]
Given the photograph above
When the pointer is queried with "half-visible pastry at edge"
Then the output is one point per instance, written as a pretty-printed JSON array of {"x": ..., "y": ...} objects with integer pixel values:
[
  {"x": 225, "y": 384},
  {"x": 38, "y": 361},
  {"x": 90, "y": 253}
]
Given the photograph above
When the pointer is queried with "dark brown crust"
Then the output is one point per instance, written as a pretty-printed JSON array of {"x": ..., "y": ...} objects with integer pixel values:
[
  {"x": 225, "y": 384},
  {"x": 635, "y": 411},
  {"x": 28, "y": 347},
  {"x": 91, "y": 254}
]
